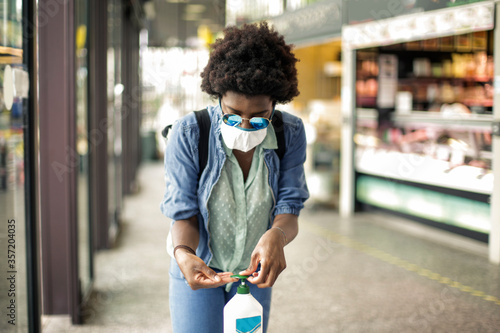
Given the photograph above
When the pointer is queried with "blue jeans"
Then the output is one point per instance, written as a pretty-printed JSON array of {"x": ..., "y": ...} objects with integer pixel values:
[{"x": 202, "y": 310}]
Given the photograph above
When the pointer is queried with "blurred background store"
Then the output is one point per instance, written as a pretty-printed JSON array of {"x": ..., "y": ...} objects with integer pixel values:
[
  {"x": 423, "y": 115},
  {"x": 398, "y": 99}
]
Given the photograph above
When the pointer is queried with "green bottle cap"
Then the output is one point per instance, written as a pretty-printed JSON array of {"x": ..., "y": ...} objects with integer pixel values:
[{"x": 243, "y": 287}]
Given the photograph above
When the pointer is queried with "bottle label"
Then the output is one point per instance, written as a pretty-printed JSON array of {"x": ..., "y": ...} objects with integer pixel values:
[{"x": 249, "y": 325}]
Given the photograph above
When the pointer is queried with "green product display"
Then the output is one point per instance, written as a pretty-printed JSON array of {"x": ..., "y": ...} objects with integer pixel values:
[{"x": 435, "y": 206}]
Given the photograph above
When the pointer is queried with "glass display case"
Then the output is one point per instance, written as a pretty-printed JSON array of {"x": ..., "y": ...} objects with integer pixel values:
[
  {"x": 114, "y": 115},
  {"x": 14, "y": 87},
  {"x": 85, "y": 247},
  {"x": 423, "y": 131}
]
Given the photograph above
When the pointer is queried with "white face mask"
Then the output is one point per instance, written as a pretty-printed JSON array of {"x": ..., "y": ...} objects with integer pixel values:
[{"x": 236, "y": 138}]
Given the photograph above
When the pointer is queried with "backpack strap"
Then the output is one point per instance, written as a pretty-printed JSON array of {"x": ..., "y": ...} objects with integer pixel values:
[
  {"x": 165, "y": 130},
  {"x": 277, "y": 122},
  {"x": 203, "y": 119}
]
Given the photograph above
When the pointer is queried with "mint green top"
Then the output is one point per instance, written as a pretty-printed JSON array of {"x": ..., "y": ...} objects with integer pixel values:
[{"x": 239, "y": 210}]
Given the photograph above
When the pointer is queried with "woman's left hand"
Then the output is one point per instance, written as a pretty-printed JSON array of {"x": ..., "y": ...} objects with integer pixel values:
[{"x": 270, "y": 253}]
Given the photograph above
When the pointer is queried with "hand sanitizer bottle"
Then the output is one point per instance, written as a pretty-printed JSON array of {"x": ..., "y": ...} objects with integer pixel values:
[{"x": 243, "y": 313}]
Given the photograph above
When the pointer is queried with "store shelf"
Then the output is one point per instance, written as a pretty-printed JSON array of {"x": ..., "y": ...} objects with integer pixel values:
[
  {"x": 10, "y": 51},
  {"x": 9, "y": 60},
  {"x": 478, "y": 79},
  {"x": 423, "y": 170},
  {"x": 457, "y": 120},
  {"x": 483, "y": 121},
  {"x": 368, "y": 114},
  {"x": 367, "y": 117}
]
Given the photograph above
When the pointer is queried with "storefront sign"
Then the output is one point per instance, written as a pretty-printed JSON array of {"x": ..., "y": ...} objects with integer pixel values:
[
  {"x": 359, "y": 11},
  {"x": 437, "y": 23},
  {"x": 319, "y": 20}
]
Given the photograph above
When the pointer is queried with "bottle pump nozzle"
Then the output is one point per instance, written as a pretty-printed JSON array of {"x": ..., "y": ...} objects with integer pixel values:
[
  {"x": 243, "y": 313},
  {"x": 243, "y": 287}
]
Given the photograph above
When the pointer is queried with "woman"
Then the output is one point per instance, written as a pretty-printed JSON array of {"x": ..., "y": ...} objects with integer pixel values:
[{"x": 244, "y": 209}]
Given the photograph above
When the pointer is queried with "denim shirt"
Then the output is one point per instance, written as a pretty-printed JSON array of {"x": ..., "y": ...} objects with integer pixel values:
[{"x": 186, "y": 197}]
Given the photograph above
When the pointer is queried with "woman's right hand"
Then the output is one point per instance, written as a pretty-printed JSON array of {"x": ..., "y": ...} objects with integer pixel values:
[{"x": 198, "y": 274}]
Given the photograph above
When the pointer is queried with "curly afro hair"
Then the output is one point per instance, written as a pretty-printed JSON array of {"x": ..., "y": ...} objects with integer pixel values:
[{"x": 251, "y": 60}]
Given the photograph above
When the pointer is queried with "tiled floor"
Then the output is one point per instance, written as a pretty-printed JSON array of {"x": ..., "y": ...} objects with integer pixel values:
[{"x": 369, "y": 273}]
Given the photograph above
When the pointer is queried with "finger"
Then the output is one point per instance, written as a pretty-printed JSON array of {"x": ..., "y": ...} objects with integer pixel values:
[
  {"x": 264, "y": 271},
  {"x": 210, "y": 273},
  {"x": 268, "y": 280},
  {"x": 204, "y": 282},
  {"x": 226, "y": 277},
  {"x": 254, "y": 263},
  {"x": 225, "y": 274}
]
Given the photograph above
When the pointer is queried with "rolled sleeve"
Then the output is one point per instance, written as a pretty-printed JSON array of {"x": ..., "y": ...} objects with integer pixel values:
[{"x": 292, "y": 185}]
